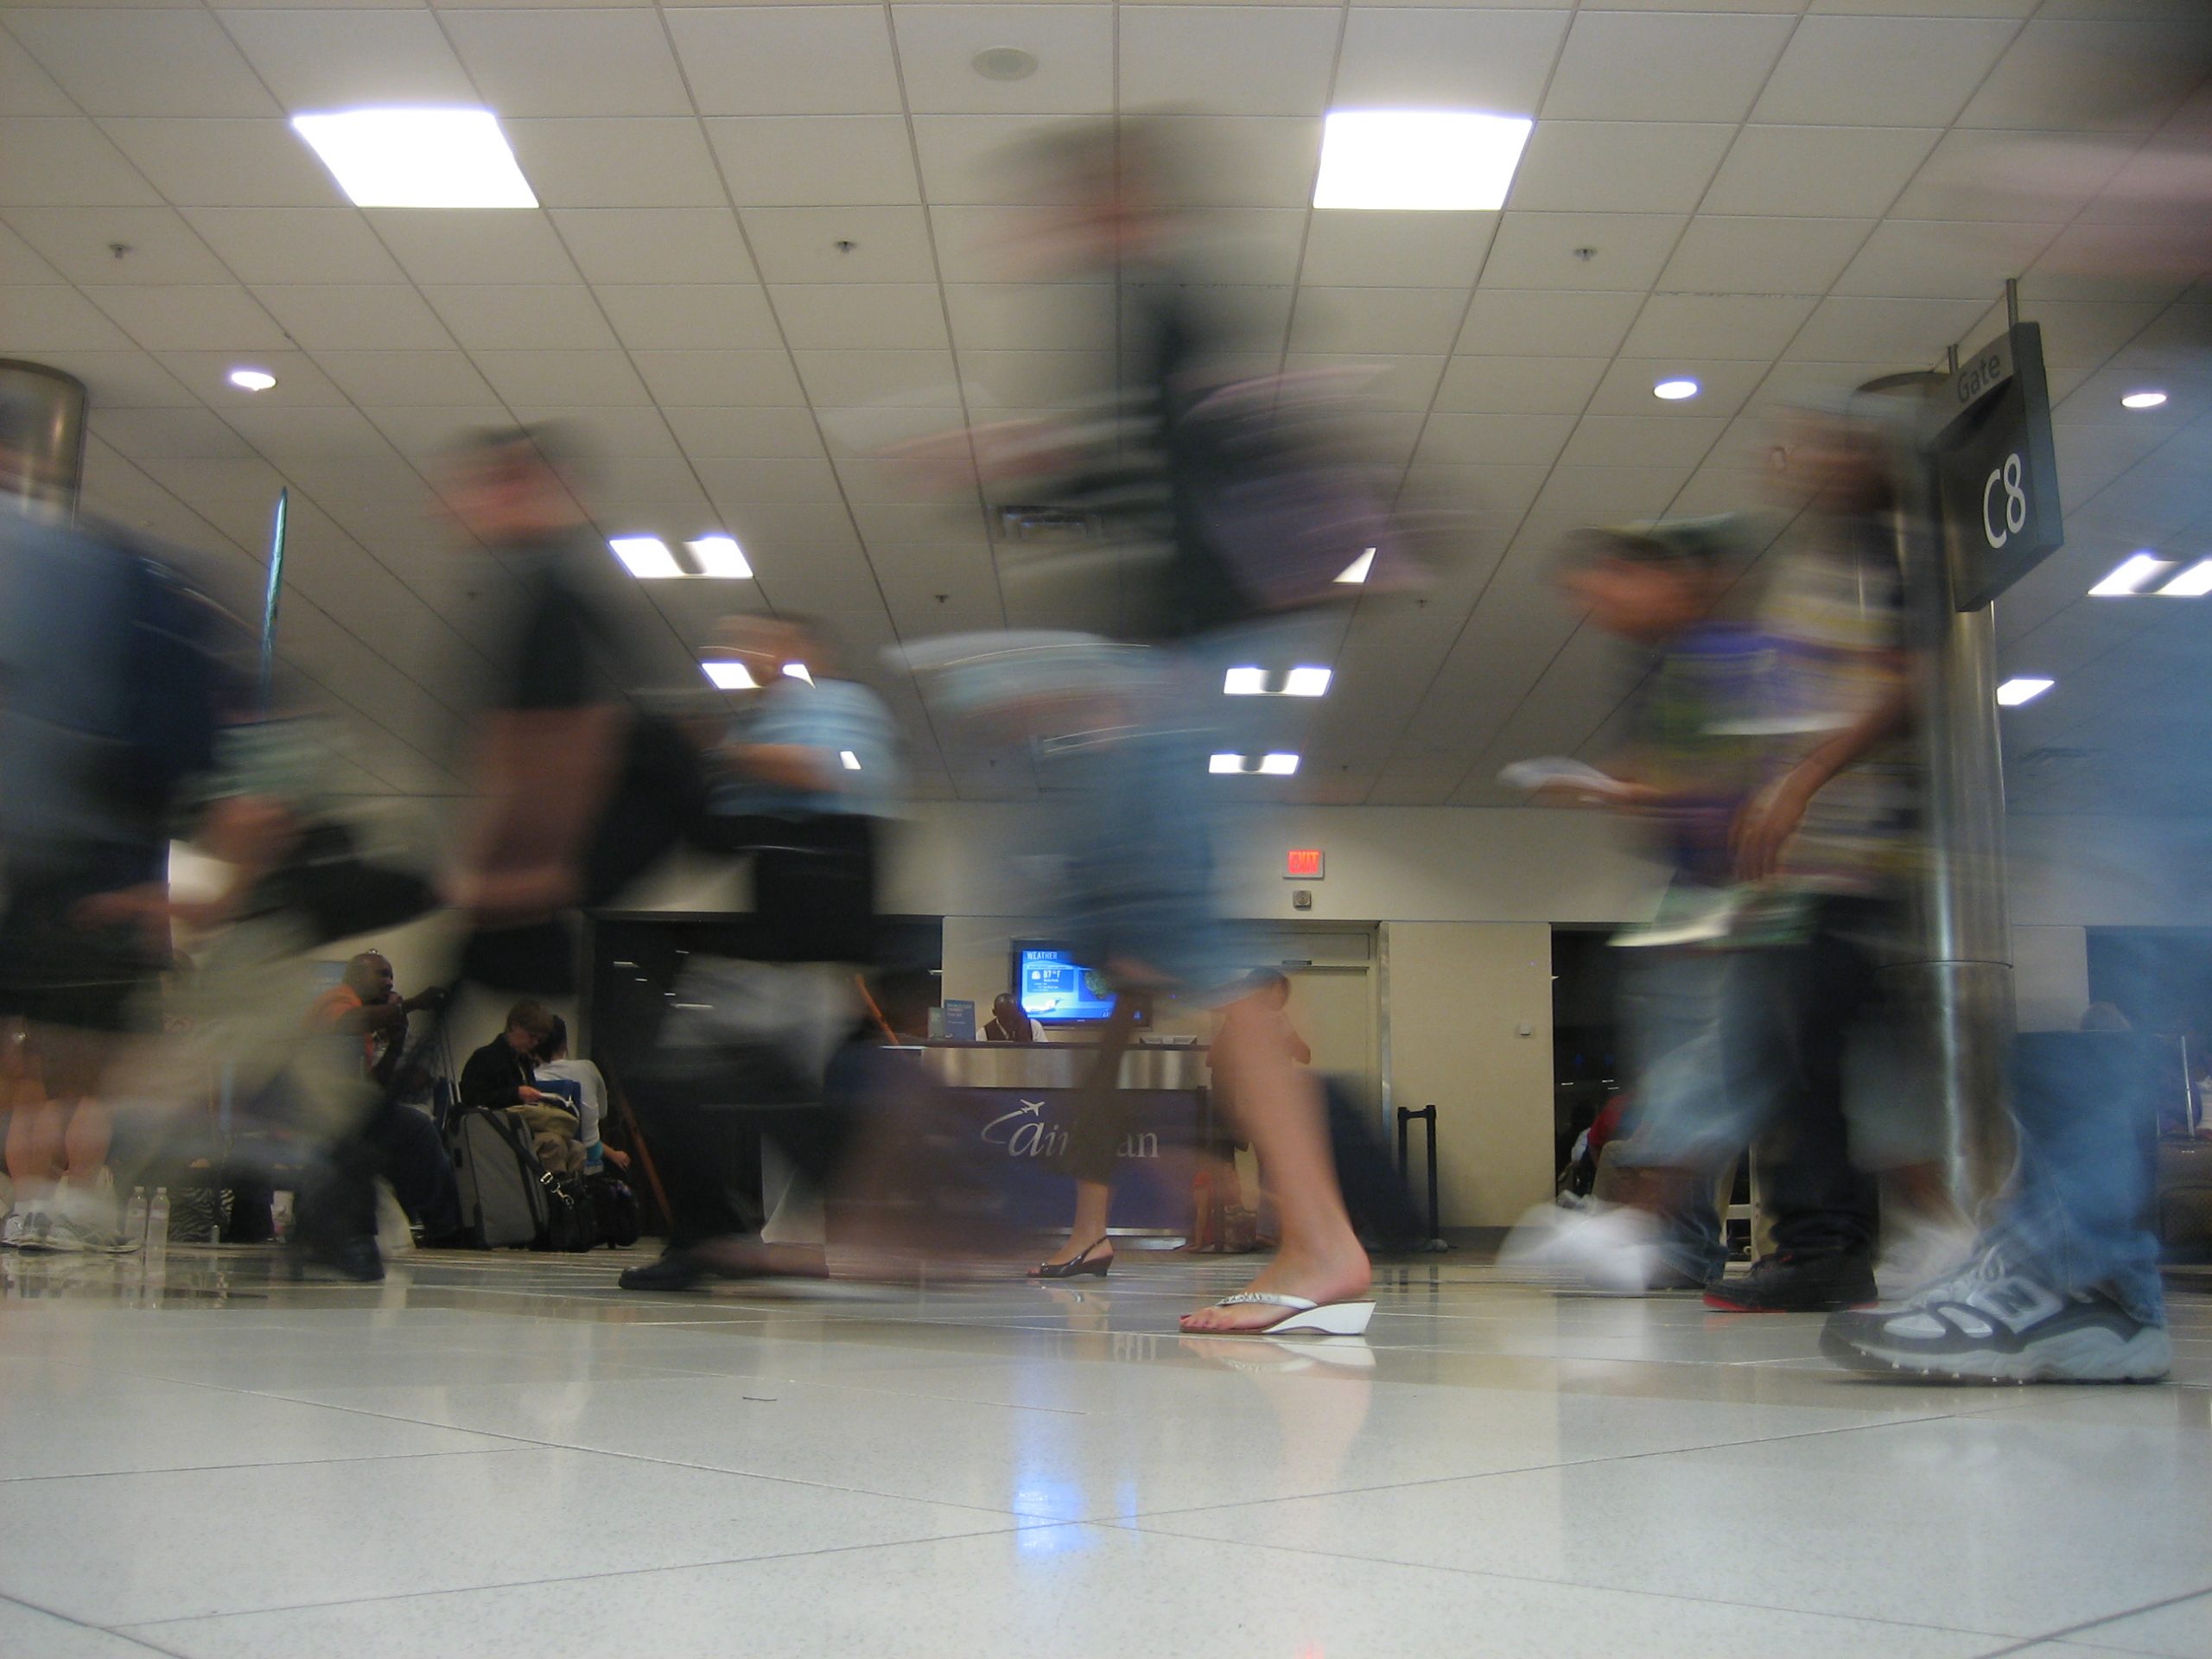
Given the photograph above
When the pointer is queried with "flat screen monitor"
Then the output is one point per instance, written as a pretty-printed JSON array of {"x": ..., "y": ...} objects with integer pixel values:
[{"x": 1054, "y": 988}]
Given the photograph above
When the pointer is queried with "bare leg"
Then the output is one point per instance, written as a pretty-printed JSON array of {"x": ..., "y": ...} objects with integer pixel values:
[{"x": 1320, "y": 1257}]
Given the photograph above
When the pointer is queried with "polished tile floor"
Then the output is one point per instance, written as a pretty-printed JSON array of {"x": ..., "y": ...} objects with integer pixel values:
[{"x": 504, "y": 1456}]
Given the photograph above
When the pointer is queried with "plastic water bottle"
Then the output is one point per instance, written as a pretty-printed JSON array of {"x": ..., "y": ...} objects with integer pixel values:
[
  {"x": 134, "y": 1217},
  {"x": 280, "y": 1216},
  {"x": 157, "y": 1219}
]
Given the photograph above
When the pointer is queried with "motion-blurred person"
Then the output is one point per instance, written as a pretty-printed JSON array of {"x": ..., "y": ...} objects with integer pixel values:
[
  {"x": 807, "y": 778},
  {"x": 1122, "y": 736},
  {"x": 1008, "y": 1023},
  {"x": 107, "y": 708}
]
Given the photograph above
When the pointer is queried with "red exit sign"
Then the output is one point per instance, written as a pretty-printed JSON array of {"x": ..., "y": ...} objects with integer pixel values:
[{"x": 1302, "y": 864}]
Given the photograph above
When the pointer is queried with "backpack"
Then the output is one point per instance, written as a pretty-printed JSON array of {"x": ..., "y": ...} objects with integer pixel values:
[{"x": 616, "y": 1206}]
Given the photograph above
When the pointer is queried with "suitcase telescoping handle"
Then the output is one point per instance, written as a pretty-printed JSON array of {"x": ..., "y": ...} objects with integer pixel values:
[{"x": 1428, "y": 1116}]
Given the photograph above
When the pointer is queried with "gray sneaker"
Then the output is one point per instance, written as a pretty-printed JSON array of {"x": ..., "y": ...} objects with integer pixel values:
[
  {"x": 1994, "y": 1323},
  {"x": 67, "y": 1235},
  {"x": 23, "y": 1229}
]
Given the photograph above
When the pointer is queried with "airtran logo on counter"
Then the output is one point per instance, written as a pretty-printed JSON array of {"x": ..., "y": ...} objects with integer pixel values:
[{"x": 1030, "y": 1136}]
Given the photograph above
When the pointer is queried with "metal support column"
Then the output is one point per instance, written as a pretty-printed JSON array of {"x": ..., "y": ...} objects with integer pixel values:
[{"x": 56, "y": 471}]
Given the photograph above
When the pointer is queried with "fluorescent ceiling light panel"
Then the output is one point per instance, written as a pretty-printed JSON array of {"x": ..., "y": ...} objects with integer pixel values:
[
  {"x": 1226, "y": 763},
  {"x": 252, "y": 379},
  {"x": 2144, "y": 399},
  {"x": 797, "y": 671},
  {"x": 647, "y": 557},
  {"x": 720, "y": 557},
  {"x": 1358, "y": 570},
  {"x": 1245, "y": 683},
  {"x": 418, "y": 158},
  {"x": 1433, "y": 160},
  {"x": 1306, "y": 682},
  {"x": 2192, "y": 583},
  {"x": 1673, "y": 391},
  {"x": 730, "y": 676},
  {"x": 851, "y": 761},
  {"x": 1279, "y": 765},
  {"x": 2026, "y": 688},
  {"x": 2130, "y": 575}
]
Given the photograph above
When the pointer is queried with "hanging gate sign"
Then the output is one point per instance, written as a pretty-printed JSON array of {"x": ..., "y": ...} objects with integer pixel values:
[{"x": 1997, "y": 473}]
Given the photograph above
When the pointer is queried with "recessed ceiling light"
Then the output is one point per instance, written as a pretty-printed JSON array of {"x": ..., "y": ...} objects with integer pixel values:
[
  {"x": 252, "y": 379},
  {"x": 720, "y": 557},
  {"x": 2193, "y": 583},
  {"x": 1306, "y": 681},
  {"x": 418, "y": 158},
  {"x": 851, "y": 761},
  {"x": 646, "y": 557},
  {"x": 1005, "y": 63},
  {"x": 1226, "y": 763},
  {"x": 1675, "y": 390},
  {"x": 2026, "y": 688},
  {"x": 2144, "y": 399},
  {"x": 797, "y": 671},
  {"x": 2131, "y": 574},
  {"x": 1245, "y": 683},
  {"x": 1279, "y": 765},
  {"x": 1358, "y": 570},
  {"x": 1433, "y": 160},
  {"x": 730, "y": 676}
]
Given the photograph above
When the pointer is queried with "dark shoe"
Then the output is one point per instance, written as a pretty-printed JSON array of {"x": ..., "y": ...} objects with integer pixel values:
[
  {"x": 1084, "y": 1265},
  {"x": 1665, "y": 1277},
  {"x": 1787, "y": 1283},
  {"x": 676, "y": 1270},
  {"x": 356, "y": 1259},
  {"x": 1993, "y": 1323}
]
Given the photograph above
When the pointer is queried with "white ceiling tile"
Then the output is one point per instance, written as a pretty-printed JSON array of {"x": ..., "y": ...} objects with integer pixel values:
[
  {"x": 1421, "y": 322},
  {"x": 140, "y": 63},
  {"x": 1073, "y": 46},
  {"x": 408, "y": 378},
  {"x": 513, "y": 316},
  {"x": 1603, "y": 492},
  {"x": 984, "y": 159},
  {"x": 2092, "y": 74},
  {"x": 982, "y": 244},
  {"x": 435, "y": 246},
  {"x": 787, "y": 535},
  {"x": 1931, "y": 259},
  {"x": 1764, "y": 256},
  {"x": 426, "y": 431},
  {"x": 211, "y": 317},
  {"x": 585, "y": 377},
  {"x": 1718, "y": 324},
  {"x": 771, "y": 479},
  {"x": 656, "y": 245},
  {"x": 1972, "y": 175},
  {"x": 1244, "y": 161},
  {"x": 281, "y": 433},
  {"x": 1538, "y": 249},
  {"x": 65, "y": 162},
  {"x": 1394, "y": 249},
  {"x": 1725, "y": 385},
  {"x": 635, "y": 430},
  {"x": 1020, "y": 317},
  {"x": 1518, "y": 385},
  {"x": 20, "y": 264},
  {"x": 801, "y": 244},
  {"x": 1384, "y": 383},
  {"x": 816, "y": 161},
  {"x": 768, "y": 434},
  {"x": 227, "y": 164},
  {"x": 26, "y": 89},
  {"x": 724, "y": 316},
  {"x": 1419, "y": 58},
  {"x": 116, "y": 379},
  {"x": 1606, "y": 166},
  {"x": 166, "y": 434},
  {"x": 1509, "y": 321},
  {"x": 649, "y": 477},
  {"x": 1251, "y": 246},
  {"x": 300, "y": 381},
  {"x": 1835, "y": 172},
  {"x": 709, "y": 379},
  {"x": 899, "y": 316},
  {"x": 342, "y": 317},
  {"x": 1816, "y": 382},
  {"x": 51, "y": 317},
  {"x": 1907, "y": 334},
  {"x": 1494, "y": 439},
  {"x": 850, "y": 379},
  {"x": 1882, "y": 71},
  {"x": 1653, "y": 440},
  {"x": 346, "y": 59},
  {"x": 555, "y": 63},
  {"x": 1227, "y": 60},
  {"x": 80, "y": 242},
  {"x": 820, "y": 59},
  {"x": 294, "y": 244},
  {"x": 1461, "y": 493},
  {"x": 920, "y": 522},
  {"x": 1048, "y": 379},
  {"x": 1636, "y": 66},
  {"x": 636, "y": 162},
  {"x": 866, "y": 433}
]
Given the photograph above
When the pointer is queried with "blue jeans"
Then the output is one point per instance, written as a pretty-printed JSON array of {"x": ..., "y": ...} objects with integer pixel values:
[
  {"x": 2077, "y": 1214},
  {"x": 1671, "y": 1004}
]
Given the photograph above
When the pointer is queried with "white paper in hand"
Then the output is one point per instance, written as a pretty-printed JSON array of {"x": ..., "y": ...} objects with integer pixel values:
[{"x": 1558, "y": 772}]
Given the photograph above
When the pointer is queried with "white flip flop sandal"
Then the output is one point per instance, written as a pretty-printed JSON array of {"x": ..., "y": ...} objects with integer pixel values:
[{"x": 1313, "y": 1318}]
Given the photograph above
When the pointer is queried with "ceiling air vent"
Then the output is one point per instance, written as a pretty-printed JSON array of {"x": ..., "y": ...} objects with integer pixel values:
[{"x": 1046, "y": 527}]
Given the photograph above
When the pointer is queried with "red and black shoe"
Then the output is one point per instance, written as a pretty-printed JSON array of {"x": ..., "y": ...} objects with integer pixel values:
[{"x": 1786, "y": 1282}]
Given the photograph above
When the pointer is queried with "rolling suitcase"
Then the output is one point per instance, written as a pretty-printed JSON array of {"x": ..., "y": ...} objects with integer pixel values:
[{"x": 503, "y": 1199}]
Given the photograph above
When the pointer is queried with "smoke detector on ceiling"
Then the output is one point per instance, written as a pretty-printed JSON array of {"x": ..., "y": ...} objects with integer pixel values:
[{"x": 1006, "y": 63}]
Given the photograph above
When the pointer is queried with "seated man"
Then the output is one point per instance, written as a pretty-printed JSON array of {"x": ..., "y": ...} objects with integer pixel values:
[
  {"x": 578, "y": 1083},
  {"x": 502, "y": 1076}
]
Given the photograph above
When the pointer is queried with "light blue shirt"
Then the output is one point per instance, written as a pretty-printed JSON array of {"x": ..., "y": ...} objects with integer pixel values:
[{"x": 844, "y": 722}]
